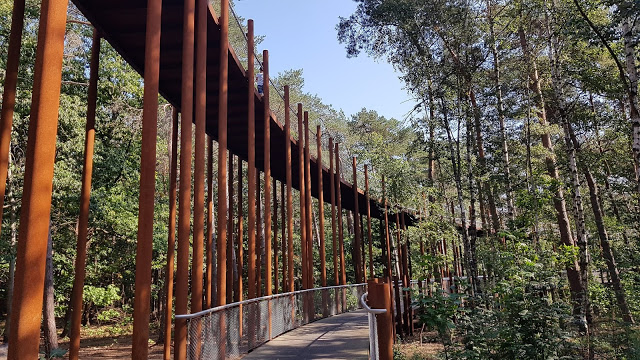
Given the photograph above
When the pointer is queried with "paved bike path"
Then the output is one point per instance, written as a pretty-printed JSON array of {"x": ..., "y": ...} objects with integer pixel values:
[{"x": 344, "y": 336}]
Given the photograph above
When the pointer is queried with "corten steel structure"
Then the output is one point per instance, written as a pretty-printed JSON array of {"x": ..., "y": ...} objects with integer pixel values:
[{"x": 217, "y": 95}]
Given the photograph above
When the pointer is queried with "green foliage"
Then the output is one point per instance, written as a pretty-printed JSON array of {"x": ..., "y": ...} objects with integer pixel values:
[{"x": 100, "y": 296}]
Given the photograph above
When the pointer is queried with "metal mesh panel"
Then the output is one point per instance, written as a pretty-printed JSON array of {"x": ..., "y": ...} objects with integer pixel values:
[{"x": 229, "y": 332}]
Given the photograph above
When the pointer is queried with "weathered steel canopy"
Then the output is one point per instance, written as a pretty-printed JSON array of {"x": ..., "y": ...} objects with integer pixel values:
[{"x": 122, "y": 23}]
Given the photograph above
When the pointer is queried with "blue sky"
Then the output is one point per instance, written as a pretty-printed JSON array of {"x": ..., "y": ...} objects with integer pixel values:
[{"x": 301, "y": 34}]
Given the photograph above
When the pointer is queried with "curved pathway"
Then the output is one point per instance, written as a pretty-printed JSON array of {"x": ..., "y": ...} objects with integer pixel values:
[{"x": 344, "y": 336}]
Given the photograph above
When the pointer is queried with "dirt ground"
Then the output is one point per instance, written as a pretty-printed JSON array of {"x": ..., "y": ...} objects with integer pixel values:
[
  {"x": 412, "y": 349},
  {"x": 111, "y": 348}
]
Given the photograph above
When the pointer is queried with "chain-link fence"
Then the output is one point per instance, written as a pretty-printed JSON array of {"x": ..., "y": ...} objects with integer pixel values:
[{"x": 230, "y": 331}]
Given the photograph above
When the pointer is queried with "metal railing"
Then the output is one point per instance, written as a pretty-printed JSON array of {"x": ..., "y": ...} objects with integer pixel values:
[
  {"x": 374, "y": 353},
  {"x": 230, "y": 331}
]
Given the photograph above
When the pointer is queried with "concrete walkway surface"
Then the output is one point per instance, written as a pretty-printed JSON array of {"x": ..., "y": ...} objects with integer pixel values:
[{"x": 344, "y": 336}]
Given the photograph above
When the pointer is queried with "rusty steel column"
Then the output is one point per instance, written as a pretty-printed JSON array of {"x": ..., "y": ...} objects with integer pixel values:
[
  {"x": 9, "y": 94},
  {"x": 147, "y": 182},
  {"x": 275, "y": 236},
  {"x": 366, "y": 189},
  {"x": 251, "y": 168},
  {"x": 386, "y": 231},
  {"x": 85, "y": 197},
  {"x": 287, "y": 128},
  {"x": 356, "y": 223},
  {"x": 308, "y": 202},
  {"x": 171, "y": 238},
  {"x": 230, "y": 234},
  {"x": 209, "y": 241},
  {"x": 184, "y": 196},
  {"x": 267, "y": 175},
  {"x": 283, "y": 236},
  {"x": 200, "y": 148},
  {"x": 343, "y": 273},
  {"x": 332, "y": 186},
  {"x": 323, "y": 260},
  {"x": 260, "y": 235},
  {"x": 303, "y": 210},
  {"x": 239, "y": 255},
  {"x": 222, "y": 153},
  {"x": 379, "y": 298}
]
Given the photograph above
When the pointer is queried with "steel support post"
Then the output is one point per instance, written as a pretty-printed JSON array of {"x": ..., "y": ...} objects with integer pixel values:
[
  {"x": 379, "y": 298},
  {"x": 171, "y": 238},
  {"x": 230, "y": 234},
  {"x": 283, "y": 236},
  {"x": 147, "y": 182},
  {"x": 222, "y": 153},
  {"x": 260, "y": 234},
  {"x": 85, "y": 197},
  {"x": 209, "y": 288},
  {"x": 251, "y": 168},
  {"x": 369, "y": 237},
  {"x": 199, "y": 161},
  {"x": 267, "y": 176},
  {"x": 332, "y": 186},
  {"x": 303, "y": 217},
  {"x": 287, "y": 127},
  {"x": 184, "y": 195},
  {"x": 276, "y": 264},
  {"x": 239, "y": 254},
  {"x": 343, "y": 274},
  {"x": 323, "y": 255},
  {"x": 308, "y": 202},
  {"x": 356, "y": 223},
  {"x": 9, "y": 94}
]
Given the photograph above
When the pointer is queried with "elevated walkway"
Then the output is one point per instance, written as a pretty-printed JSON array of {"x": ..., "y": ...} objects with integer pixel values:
[{"x": 344, "y": 336}]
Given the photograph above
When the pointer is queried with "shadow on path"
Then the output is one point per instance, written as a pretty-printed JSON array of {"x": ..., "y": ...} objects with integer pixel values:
[{"x": 344, "y": 336}]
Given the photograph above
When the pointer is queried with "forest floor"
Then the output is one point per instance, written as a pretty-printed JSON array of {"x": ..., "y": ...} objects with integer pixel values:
[
  {"x": 411, "y": 348},
  {"x": 102, "y": 342}
]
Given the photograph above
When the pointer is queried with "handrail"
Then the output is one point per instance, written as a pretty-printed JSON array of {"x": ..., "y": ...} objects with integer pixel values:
[
  {"x": 374, "y": 354},
  {"x": 363, "y": 301},
  {"x": 269, "y": 297}
]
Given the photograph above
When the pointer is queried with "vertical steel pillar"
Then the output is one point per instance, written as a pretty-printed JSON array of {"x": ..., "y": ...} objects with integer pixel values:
[
  {"x": 230, "y": 234},
  {"x": 222, "y": 152},
  {"x": 308, "y": 203},
  {"x": 386, "y": 231},
  {"x": 275, "y": 236},
  {"x": 343, "y": 274},
  {"x": 303, "y": 216},
  {"x": 251, "y": 168},
  {"x": 171, "y": 238},
  {"x": 260, "y": 234},
  {"x": 200, "y": 147},
  {"x": 323, "y": 260},
  {"x": 287, "y": 127},
  {"x": 239, "y": 255},
  {"x": 147, "y": 182},
  {"x": 85, "y": 197},
  {"x": 356, "y": 224},
  {"x": 332, "y": 185},
  {"x": 267, "y": 175},
  {"x": 283, "y": 236},
  {"x": 209, "y": 248},
  {"x": 9, "y": 93},
  {"x": 184, "y": 199},
  {"x": 366, "y": 188}
]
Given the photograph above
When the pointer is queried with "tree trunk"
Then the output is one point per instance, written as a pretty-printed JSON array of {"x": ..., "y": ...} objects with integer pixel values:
[
  {"x": 581, "y": 232},
  {"x": 566, "y": 238},
  {"x": 49, "y": 321},
  {"x": 607, "y": 252},
  {"x": 501, "y": 117},
  {"x": 632, "y": 73}
]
